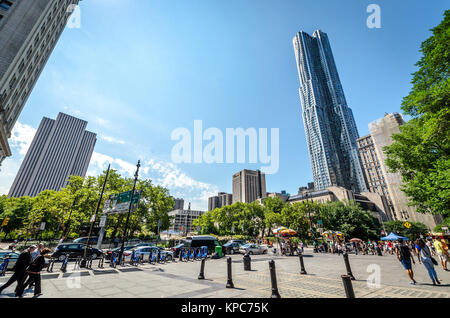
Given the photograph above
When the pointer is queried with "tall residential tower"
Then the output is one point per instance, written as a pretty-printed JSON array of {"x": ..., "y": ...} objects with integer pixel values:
[
  {"x": 330, "y": 128},
  {"x": 60, "y": 148},
  {"x": 29, "y": 30}
]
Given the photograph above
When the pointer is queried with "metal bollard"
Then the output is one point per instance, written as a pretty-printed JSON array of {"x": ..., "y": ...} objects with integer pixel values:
[
  {"x": 247, "y": 262},
  {"x": 346, "y": 280},
  {"x": 202, "y": 270},
  {"x": 230, "y": 279},
  {"x": 347, "y": 265},
  {"x": 273, "y": 279},
  {"x": 302, "y": 264}
]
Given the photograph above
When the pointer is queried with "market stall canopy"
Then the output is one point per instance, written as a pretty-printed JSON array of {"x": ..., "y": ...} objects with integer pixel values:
[
  {"x": 278, "y": 230},
  {"x": 332, "y": 233},
  {"x": 393, "y": 237},
  {"x": 355, "y": 240},
  {"x": 288, "y": 232}
]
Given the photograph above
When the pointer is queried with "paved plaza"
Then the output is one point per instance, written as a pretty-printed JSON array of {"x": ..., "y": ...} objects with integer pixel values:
[{"x": 180, "y": 279}]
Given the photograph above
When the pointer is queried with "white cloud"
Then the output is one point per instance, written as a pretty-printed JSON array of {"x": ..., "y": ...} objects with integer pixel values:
[
  {"x": 112, "y": 140},
  {"x": 21, "y": 138},
  {"x": 162, "y": 173}
]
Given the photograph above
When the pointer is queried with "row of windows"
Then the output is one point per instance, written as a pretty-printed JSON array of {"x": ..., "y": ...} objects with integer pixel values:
[{"x": 39, "y": 54}]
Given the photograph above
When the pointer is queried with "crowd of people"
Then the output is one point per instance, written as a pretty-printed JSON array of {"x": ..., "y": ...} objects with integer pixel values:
[{"x": 27, "y": 270}]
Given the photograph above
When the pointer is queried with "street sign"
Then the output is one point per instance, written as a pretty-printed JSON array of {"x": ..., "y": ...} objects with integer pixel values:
[
  {"x": 319, "y": 222},
  {"x": 103, "y": 221},
  {"x": 120, "y": 203},
  {"x": 5, "y": 221},
  {"x": 42, "y": 226},
  {"x": 232, "y": 229},
  {"x": 199, "y": 228},
  {"x": 159, "y": 223},
  {"x": 407, "y": 225}
]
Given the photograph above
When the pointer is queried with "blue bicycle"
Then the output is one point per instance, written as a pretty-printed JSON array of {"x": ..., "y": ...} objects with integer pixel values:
[
  {"x": 4, "y": 266},
  {"x": 152, "y": 257}
]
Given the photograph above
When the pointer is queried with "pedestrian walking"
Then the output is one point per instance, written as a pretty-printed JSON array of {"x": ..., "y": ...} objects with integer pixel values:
[
  {"x": 339, "y": 249},
  {"x": 20, "y": 268},
  {"x": 61, "y": 241},
  {"x": 404, "y": 256},
  {"x": 34, "y": 274},
  {"x": 441, "y": 252},
  {"x": 302, "y": 246},
  {"x": 34, "y": 255},
  {"x": 424, "y": 256}
]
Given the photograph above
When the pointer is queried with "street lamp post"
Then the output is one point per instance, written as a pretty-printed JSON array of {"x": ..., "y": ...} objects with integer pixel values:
[
  {"x": 129, "y": 210},
  {"x": 95, "y": 216}
]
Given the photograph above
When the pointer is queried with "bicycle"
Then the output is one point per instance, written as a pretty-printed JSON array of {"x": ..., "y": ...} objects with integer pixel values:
[{"x": 152, "y": 258}]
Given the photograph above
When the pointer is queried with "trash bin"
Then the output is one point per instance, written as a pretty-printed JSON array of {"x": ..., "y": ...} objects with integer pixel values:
[{"x": 218, "y": 251}]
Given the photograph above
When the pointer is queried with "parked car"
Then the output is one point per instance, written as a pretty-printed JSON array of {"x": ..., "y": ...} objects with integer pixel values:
[
  {"x": 231, "y": 248},
  {"x": 145, "y": 251},
  {"x": 253, "y": 249},
  {"x": 176, "y": 250},
  {"x": 203, "y": 240},
  {"x": 83, "y": 240},
  {"x": 240, "y": 242},
  {"x": 13, "y": 256},
  {"x": 75, "y": 250},
  {"x": 109, "y": 252}
]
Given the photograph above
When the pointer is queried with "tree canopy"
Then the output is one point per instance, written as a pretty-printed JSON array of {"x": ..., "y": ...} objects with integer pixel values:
[
  {"x": 67, "y": 212},
  {"x": 421, "y": 151}
]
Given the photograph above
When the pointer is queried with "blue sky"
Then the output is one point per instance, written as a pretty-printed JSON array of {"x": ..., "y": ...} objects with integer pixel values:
[{"x": 136, "y": 70}]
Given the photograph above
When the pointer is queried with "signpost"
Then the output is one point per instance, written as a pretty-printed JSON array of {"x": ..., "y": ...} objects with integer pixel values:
[
  {"x": 4, "y": 223},
  {"x": 407, "y": 225}
]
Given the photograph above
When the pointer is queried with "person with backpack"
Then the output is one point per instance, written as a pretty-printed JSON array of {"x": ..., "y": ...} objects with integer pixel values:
[
  {"x": 20, "y": 268},
  {"x": 404, "y": 256},
  {"x": 424, "y": 256},
  {"x": 34, "y": 274}
]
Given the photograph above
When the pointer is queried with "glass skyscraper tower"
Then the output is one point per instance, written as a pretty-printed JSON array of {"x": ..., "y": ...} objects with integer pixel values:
[{"x": 330, "y": 128}]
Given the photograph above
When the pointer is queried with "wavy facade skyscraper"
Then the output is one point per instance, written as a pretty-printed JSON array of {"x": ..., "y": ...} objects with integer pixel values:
[{"x": 330, "y": 128}]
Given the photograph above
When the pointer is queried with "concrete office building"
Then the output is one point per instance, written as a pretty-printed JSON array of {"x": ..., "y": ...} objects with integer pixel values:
[
  {"x": 219, "y": 200},
  {"x": 248, "y": 186},
  {"x": 381, "y": 135},
  {"x": 178, "y": 204},
  {"x": 330, "y": 128},
  {"x": 60, "y": 148},
  {"x": 374, "y": 174},
  {"x": 29, "y": 31},
  {"x": 372, "y": 202},
  {"x": 182, "y": 221}
]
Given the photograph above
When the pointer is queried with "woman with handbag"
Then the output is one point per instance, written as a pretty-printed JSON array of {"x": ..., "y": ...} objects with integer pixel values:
[
  {"x": 424, "y": 256},
  {"x": 34, "y": 274}
]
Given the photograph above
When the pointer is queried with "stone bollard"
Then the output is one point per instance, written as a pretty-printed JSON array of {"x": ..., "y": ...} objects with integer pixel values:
[
  {"x": 202, "y": 270},
  {"x": 230, "y": 279},
  {"x": 347, "y": 265},
  {"x": 346, "y": 280},
  {"x": 302, "y": 264},
  {"x": 273, "y": 280},
  {"x": 247, "y": 262}
]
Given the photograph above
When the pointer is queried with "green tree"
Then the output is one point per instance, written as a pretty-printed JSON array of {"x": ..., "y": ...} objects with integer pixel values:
[
  {"x": 350, "y": 219},
  {"x": 420, "y": 152}
]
